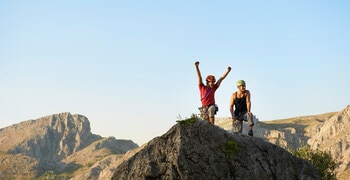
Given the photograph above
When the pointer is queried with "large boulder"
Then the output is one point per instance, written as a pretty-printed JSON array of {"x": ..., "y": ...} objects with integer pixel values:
[{"x": 195, "y": 149}]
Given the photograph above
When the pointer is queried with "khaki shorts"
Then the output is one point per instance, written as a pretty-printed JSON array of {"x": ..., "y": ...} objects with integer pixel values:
[{"x": 208, "y": 112}]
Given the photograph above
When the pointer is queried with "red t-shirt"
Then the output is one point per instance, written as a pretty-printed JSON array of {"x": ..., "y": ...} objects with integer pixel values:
[{"x": 207, "y": 94}]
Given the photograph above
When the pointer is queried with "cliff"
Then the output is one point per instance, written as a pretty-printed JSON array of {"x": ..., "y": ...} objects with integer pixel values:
[{"x": 53, "y": 143}]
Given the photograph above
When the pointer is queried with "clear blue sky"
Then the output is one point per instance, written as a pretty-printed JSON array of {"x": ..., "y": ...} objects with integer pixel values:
[{"x": 129, "y": 65}]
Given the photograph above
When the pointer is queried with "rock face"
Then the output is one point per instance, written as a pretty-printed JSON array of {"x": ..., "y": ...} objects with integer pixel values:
[
  {"x": 334, "y": 136},
  {"x": 325, "y": 132},
  {"x": 48, "y": 138},
  {"x": 51, "y": 140},
  {"x": 198, "y": 150}
]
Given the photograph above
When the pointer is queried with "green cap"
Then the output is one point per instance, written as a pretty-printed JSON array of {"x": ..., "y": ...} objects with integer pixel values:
[{"x": 240, "y": 82}]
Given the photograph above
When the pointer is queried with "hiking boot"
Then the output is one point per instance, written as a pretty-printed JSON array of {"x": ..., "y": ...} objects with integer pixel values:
[{"x": 250, "y": 133}]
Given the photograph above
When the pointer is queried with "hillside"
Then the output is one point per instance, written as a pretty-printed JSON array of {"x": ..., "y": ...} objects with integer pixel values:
[
  {"x": 57, "y": 145},
  {"x": 326, "y": 132}
]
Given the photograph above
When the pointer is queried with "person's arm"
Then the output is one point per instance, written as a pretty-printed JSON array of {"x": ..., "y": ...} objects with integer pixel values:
[
  {"x": 198, "y": 72},
  {"x": 249, "y": 105},
  {"x": 232, "y": 104},
  {"x": 223, "y": 76}
]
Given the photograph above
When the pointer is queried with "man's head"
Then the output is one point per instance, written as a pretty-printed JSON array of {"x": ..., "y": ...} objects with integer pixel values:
[
  {"x": 210, "y": 80},
  {"x": 241, "y": 85}
]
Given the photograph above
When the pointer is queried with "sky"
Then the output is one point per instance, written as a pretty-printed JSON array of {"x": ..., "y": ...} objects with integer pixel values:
[{"x": 128, "y": 66}]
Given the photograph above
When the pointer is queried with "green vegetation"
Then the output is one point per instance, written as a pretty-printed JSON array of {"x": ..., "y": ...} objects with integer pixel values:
[
  {"x": 321, "y": 160},
  {"x": 231, "y": 147},
  {"x": 189, "y": 121},
  {"x": 89, "y": 164}
]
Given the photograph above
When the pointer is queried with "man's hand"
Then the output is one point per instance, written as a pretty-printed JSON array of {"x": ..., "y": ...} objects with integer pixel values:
[
  {"x": 196, "y": 63},
  {"x": 229, "y": 68}
]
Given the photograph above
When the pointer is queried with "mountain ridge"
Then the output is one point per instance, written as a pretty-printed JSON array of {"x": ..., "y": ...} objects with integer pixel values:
[
  {"x": 67, "y": 157},
  {"x": 50, "y": 139}
]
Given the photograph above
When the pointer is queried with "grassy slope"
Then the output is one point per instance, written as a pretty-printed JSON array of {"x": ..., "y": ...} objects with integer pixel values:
[{"x": 301, "y": 124}]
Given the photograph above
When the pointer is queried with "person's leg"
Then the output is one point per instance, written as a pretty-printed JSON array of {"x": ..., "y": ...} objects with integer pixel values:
[
  {"x": 237, "y": 125},
  {"x": 250, "y": 119},
  {"x": 212, "y": 120},
  {"x": 211, "y": 114},
  {"x": 204, "y": 113}
]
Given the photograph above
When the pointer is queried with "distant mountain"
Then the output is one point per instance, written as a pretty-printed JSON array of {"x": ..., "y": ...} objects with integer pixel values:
[
  {"x": 52, "y": 145},
  {"x": 61, "y": 146},
  {"x": 327, "y": 132},
  {"x": 195, "y": 149}
]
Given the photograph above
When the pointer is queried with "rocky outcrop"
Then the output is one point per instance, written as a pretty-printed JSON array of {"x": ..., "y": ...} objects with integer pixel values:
[
  {"x": 325, "y": 132},
  {"x": 49, "y": 139},
  {"x": 289, "y": 134},
  {"x": 58, "y": 135},
  {"x": 55, "y": 142},
  {"x": 334, "y": 136},
  {"x": 198, "y": 150}
]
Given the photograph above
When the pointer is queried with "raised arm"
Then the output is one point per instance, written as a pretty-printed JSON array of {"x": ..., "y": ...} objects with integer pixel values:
[
  {"x": 198, "y": 72},
  {"x": 223, "y": 76}
]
